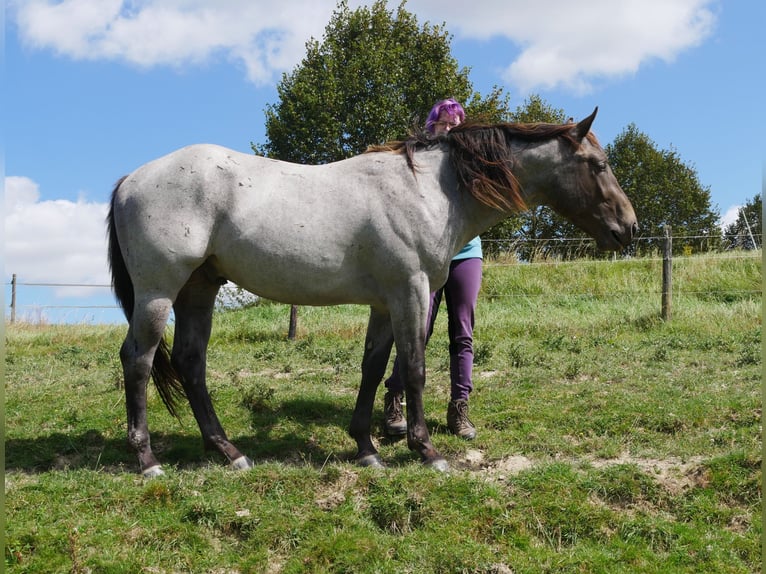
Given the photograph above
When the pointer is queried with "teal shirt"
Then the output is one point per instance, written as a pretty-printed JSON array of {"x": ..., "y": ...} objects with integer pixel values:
[{"x": 470, "y": 251}]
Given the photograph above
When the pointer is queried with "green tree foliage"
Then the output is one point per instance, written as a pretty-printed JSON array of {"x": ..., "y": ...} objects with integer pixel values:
[
  {"x": 372, "y": 78},
  {"x": 536, "y": 109},
  {"x": 664, "y": 191},
  {"x": 747, "y": 231}
]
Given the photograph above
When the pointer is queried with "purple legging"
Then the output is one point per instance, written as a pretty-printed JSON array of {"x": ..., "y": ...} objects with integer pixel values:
[{"x": 460, "y": 293}]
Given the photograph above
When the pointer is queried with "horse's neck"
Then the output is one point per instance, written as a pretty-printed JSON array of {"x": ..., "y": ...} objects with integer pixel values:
[
  {"x": 475, "y": 219},
  {"x": 536, "y": 167},
  {"x": 468, "y": 218}
]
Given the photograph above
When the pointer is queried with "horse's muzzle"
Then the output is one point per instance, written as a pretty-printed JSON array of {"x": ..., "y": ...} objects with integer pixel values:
[{"x": 619, "y": 238}]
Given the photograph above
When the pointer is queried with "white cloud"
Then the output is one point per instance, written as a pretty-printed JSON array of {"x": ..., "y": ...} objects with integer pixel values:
[
  {"x": 562, "y": 43},
  {"x": 57, "y": 241},
  {"x": 730, "y": 216},
  {"x": 572, "y": 44},
  {"x": 263, "y": 36},
  {"x": 19, "y": 191}
]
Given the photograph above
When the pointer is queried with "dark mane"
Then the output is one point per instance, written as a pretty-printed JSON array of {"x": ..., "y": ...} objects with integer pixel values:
[
  {"x": 417, "y": 140},
  {"x": 482, "y": 156}
]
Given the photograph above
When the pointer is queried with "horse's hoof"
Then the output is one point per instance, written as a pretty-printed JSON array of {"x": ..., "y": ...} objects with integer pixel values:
[
  {"x": 242, "y": 463},
  {"x": 153, "y": 472},
  {"x": 438, "y": 464},
  {"x": 370, "y": 461}
]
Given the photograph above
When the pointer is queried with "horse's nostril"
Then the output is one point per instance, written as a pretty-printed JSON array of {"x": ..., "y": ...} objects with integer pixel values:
[{"x": 635, "y": 228}]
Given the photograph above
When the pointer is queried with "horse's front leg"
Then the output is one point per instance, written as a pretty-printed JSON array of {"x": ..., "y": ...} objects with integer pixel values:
[
  {"x": 377, "y": 350},
  {"x": 412, "y": 372},
  {"x": 410, "y": 335}
]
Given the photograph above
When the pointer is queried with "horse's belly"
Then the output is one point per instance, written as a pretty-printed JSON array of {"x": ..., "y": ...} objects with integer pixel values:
[{"x": 297, "y": 279}]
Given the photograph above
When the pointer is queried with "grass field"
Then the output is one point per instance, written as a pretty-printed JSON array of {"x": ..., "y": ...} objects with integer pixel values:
[{"x": 609, "y": 440}]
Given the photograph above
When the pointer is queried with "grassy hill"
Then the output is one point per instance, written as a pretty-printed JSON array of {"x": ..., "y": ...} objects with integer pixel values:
[{"x": 609, "y": 440}]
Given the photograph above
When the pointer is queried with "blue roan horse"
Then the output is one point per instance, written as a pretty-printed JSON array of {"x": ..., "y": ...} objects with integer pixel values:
[{"x": 377, "y": 229}]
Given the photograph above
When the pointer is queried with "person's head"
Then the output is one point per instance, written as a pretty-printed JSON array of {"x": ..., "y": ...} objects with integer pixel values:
[{"x": 444, "y": 116}]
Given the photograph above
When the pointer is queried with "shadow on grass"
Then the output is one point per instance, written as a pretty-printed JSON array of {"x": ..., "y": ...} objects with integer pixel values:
[{"x": 269, "y": 442}]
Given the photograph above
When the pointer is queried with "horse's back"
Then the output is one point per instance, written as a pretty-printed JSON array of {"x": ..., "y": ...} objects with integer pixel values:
[
  {"x": 286, "y": 231},
  {"x": 190, "y": 174}
]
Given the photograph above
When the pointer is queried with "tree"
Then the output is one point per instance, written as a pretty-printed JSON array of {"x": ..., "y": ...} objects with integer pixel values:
[
  {"x": 664, "y": 191},
  {"x": 747, "y": 231},
  {"x": 536, "y": 109},
  {"x": 372, "y": 78}
]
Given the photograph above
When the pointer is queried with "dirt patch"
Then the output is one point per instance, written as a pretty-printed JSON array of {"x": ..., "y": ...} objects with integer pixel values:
[
  {"x": 499, "y": 469},
  {"x": 334, "y": 494},
  {"x": 673, "y": 474}
]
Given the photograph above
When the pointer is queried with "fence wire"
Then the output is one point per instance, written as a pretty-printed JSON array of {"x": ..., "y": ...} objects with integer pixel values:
[{"x": 497, "y": 260}]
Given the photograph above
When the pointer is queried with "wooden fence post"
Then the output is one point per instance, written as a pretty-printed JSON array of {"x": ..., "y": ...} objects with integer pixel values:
[
  {"x": 667, "y": 275},
  {"x": 293, "y": 322},
  {"x": 13, "y": 299}
]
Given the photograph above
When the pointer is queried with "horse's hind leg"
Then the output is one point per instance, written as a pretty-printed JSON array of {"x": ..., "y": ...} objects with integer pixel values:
[
  {"x": 194, "y": 317},
  {"x": 377, "y": 349},
  {"x": 147, "y": 326}
]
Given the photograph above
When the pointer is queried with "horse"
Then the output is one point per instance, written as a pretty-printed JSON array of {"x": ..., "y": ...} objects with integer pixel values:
[{"x": 377, "y": 229}]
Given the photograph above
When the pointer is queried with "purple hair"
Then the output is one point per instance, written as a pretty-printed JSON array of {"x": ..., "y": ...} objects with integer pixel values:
[{"x": 450, "y": 106}]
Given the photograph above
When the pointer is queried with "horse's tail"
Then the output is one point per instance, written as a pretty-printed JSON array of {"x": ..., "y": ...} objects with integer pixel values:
[{"x": 166, "y": 378}]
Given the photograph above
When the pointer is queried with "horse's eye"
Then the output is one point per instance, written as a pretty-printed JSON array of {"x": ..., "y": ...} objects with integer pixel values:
[{"x": 600, "y": 165}]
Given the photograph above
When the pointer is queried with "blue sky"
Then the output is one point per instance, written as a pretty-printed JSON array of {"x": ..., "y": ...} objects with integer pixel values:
[{"x": 95, "y": 88}]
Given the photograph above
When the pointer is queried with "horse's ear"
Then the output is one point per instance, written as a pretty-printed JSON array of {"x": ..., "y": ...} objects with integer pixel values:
[{"x": 583, "y": 126}]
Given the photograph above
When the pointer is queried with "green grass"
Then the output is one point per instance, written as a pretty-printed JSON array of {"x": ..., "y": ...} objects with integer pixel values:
[{"x": 609, "y": 441}]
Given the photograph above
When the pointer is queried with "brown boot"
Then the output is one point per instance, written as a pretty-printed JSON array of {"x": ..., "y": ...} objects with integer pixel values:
[
  {"x": 458, "y": 421},
  {"x": 394, "y": 422}
]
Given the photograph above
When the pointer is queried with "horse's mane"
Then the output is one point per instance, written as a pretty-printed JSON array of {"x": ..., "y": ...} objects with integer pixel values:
[{"x": 482, "y": 158}]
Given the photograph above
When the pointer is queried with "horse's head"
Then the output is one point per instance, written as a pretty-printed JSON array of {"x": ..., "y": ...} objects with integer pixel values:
[
  {"x": 588, "y": 194},
  {"x": 509, "y": 166}
]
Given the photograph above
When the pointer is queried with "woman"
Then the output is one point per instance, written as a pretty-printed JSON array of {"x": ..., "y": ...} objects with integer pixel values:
[{"x": 460, "y": 293}]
